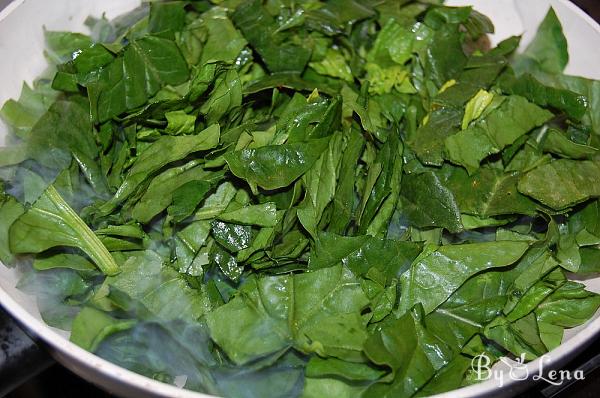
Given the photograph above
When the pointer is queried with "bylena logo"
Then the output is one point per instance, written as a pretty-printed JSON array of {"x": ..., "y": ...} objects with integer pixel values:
[{"x": 517, "y": 370}]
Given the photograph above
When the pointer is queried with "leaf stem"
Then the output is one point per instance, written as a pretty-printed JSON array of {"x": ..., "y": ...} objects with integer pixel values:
[{"x": 93, "y": 247}]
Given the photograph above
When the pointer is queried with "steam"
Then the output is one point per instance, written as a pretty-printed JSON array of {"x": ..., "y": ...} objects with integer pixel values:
[{"x": 173, "y": 351}]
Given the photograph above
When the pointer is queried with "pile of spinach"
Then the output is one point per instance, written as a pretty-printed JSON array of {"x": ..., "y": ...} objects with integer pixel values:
[{"x": 316, "y": 198}]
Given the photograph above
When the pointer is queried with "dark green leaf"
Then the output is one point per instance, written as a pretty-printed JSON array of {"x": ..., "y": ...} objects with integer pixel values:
[
  {"x": 361, "y": 253},
  {"x": 503, "y": 126},
  {"x": 426, "y": 202},
  {"x": 277, "y": 166}
]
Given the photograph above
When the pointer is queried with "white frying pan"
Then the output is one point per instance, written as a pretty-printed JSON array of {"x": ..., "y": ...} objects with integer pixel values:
[{"x": 21, "y": 58}]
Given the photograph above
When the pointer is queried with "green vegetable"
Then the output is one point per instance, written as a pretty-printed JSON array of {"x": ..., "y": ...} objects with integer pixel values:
[
  {"x": 273, "y": 167},
  {"x": 476, "y": 106},
  {"x": 427, "y": 203},
  {"x": 577, "y": 180},
  {"x": 301, "y": 310},
  {"x": 129, "y": 80},
  {"x": 513, "y": 118},
  {"x": 160, "y": 153},
  {"x": 51, "y": 222},
  {"x": 436, "y": 273},
  {"x": 10, "y": 210},
  {"x": 319, "y": 198}
]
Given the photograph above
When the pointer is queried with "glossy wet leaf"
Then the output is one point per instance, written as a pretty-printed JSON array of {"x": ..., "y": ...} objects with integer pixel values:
[
  {"x": 557, "y": 143},
  {"x": 361, "y": 253},
  {"x": 428, "y": 141},
  {"x": 166, "y": 150},
  {"x": 298, "y": 310},
  {"x": 273, "y": 167},
  {"x": 259, "y": 28},
  {"x": 572, "y": 182},
  {"x": 130, "y": 80},
  {"x": 513, "y": 118},
  {"x": 428, "y": 203},
  {"x": 488, "y": 192},
  {"x": 413, "y": 357},
  {"x": 437, "y": 273},
  {"x": 263, "y": 215},
  {"x": 163, "y": 189}
]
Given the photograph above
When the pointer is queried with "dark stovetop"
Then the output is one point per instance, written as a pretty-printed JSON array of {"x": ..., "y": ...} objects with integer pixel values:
[
  {"x": 592, "y": 7},
  {"x": 58, "y": 382}
]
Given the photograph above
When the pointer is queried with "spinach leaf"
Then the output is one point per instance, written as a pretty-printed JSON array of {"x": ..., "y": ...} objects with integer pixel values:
[
  {"x": 361, "y": 253},
  {"x": 277, "y": 166},
  {"x": 413, "y": 356},
  {"x": 427, "y": 203},
  {"x": 163, "y": 189},
  {"x": 51, "y": 222},
  {"x": 320, "y": 185},
  {"x": 224, "y": 42},
  {"x": 445, "y": 58},
  {"x": 166, "y": 18},
  {"x": 501, "y": 127},
  {"x": 548, "y": 50},
  {"x": 161, "y": 290},
  {"x": 488, "y": 192},
  {"x": 573, "y": 104},
  {"x": 437, "y": 273},
  {"x": 279, "y": 54},
  {"x": 381, "y": 189},
  {"x": 575, "y": 183},
  {"x": 131, "y": 79},
  {"x": 301, "y": 311},
  {"x": 263, "y": 215},
  {"x": 59, "y": 293},
  {"x": 226, "y": 95},
  {"x": 91, "y": 326},
  {"x": 10, "y": 211},
  {"x": 344, "y": 199},
  {"x": 521, "y": 336},
  {"x": 65, "y": 133},
  {"x": 320, "y": 367},
  {"x": 23, "y": 114},
  {"x": 233, "y": 237},
  {"x": 166, "y": 150},
  {"x": 187, "y": 351},
  {"x": 568, "y": 306},
  {"x": 428, "y": 141},
  {"x": 63, "y": 260},
  {"x": 330, "y": 387}
]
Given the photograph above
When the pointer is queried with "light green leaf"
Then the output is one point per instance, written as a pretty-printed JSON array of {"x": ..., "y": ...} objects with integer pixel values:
[
  {"x": 562, "y": 183},
  {"x": 51, "y": 222},
  {"x": 476, "y": 106},
  {"x": 271, "y": 313},
  {"x": 263, "y": 215},
  {"x": 501, "y": 127},
  {"x": 437, "y": 273}
]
